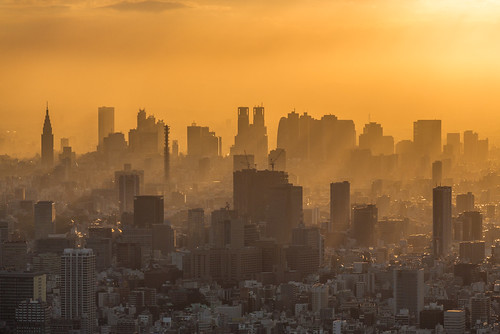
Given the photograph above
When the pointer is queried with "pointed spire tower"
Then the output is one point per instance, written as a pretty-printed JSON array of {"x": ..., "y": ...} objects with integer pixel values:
[{"x": 47, "y": 141}]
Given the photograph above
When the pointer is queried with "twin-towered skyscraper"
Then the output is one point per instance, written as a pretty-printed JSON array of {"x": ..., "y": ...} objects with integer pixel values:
[{"x": 252, "y": 137}]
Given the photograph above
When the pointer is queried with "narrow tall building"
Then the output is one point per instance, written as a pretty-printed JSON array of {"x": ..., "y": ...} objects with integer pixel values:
[
  {"x": 409, "y": 291},
  {"x": 166, "y": 155},
  {"x": 340, "y": 206},
  {"x": 148, "y": 210},
  {"x": 45, "y": 217},
  {"x": 441, "y": 221},
  {"x": 427, "y": 138},
  {"x": 47, "y": 142},
  {"x": 106, "y": 124},
  {"x": 78, "y": 285}
]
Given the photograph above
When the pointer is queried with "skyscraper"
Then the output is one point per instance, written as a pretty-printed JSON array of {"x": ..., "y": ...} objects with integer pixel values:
[
  {"x": 427, "y": 138},
  {"x": 409, "y": 291},
  {"x": 106, "y": 124},
  {"x": 472, "y": 225},
  {"x": 441, "y": 221},
  {"x": 47, "y": 142},
  {"x": 364, "y": 219},
  {"x": 284, "y": 211},
  {"x": 340, "y": 206},
  {"x": 148, "y": 210},
  {"x": 166, "y": 155},
  {"x": 202, "y": 142},
  {"x": 128, "y": 184},
  {"x": 437, "y": 173},
  {"x": 45, "y": 216},
  {"x": 78, "y": 284}
]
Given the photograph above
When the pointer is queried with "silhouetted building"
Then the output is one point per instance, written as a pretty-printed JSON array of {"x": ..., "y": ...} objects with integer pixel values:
[
  {"x": 465, "y": 202},
  {"x": 78, "y": 285},
  {"x": 472, "y": 225},
  {"x": 277, "y": 159},
  {"x": 374, "y": 140},
  {"x": 163, "y": 238},
  {"x": 45, "y": 216},
  {"x": 284, "y": 211},
  {"x": 364, "y": 219},
  {"x": 475, "y": 150},
  {"x": 14, "y": 254},
  {"x": 166, "y": 155},
  {"x": 201, "y": 142},
  {"x": 106, "y": 124},
  {"x": 480, "y": 309},
  {"x": 227, "y": 229},
  {"x": 251, "y": 138},
  {"x": 409, "y": 291},
  {"x": 128, "y": 184},
  {"x": 472, "y": 252},
  {"x": 148, "y": 210},
  {"x": 437, "y": 173},
  {"x": 340, "y": 206},
  {"x": 47, "y": 142},
  {"x": 427, "y": 138},
  {"x": 441, "y": 221},
  {"x": 148, "y": 137}
]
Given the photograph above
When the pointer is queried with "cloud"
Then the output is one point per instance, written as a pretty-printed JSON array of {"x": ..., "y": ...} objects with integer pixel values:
[{"x": 146, "y": 6}]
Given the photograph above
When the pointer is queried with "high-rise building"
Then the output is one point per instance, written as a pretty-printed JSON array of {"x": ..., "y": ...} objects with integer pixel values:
[
  {"x": 149, "y": 136},
  {"x": 32, "y": 317},
  {"x": 319, "y": 297},
  {"x": 283, "y": 211},
  {"x": 364, "y": 220},
  {"x": 227, "y": 230},
  {"x": 251, "y": 138},
  {"x": 196, "y": 227},
  {"x": 166, "y": 155},
  {"x": 465, "y": 202},
  {"x": 163, "y": 238},
  {"x": 16, "y": 287},
  {"x": 409, "y": 291},
  {"x": 148, "y": 210},
  {"x": 437, "y": 173},
  {"x": 340, "y": 206},
  {"x": 427, "y": 138},
  {"x": 45, "y": 216},
  {"x": 202, "y": 142},
  {"x": 78, "y": 285},
  {"x": 480, "y": 309},
  {"x": 472, "y": 225},
  {"x": 472, "y": 252},
  {"x": 252, "y": 190},
  {"x": 106, "y": 124},
  {"x": 454, "y": 321},
  {"x": 441, "y": 221},
  {"x": 47, "y": 142},
  {"x": 373, "y": 139},
  {"x": 128, "y": 185}
]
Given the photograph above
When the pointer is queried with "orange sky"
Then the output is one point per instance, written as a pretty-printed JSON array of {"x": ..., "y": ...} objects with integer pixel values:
[{"x": 397, "y": 60}]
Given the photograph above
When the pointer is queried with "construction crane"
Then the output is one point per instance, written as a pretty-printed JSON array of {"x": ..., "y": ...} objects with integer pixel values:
[{"x": 272, "y": 161}]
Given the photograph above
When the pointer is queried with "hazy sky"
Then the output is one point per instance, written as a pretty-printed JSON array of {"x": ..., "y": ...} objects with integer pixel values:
[{"x": 184, "y": 61}]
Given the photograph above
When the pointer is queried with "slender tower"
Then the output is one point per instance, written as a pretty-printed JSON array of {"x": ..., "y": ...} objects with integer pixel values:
[
  {"x": 47, "y": 142},
  {"x": 166, "y": 156}
]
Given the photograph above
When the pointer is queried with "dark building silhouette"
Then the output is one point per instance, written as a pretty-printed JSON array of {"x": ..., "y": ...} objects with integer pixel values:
[
  {"x": 374, "y": 140},
  {"x": 227, "y": 230},
  {"x": 196, "y": 227},
  {"x": 364, "y": 220},
  {"x": 148, "y": 210},
  {"x": 441, "y": 221},
  {"x": 148, "y": 137},
  {"x": 166, "y": 155},
  {"x": 128, "y": 184},
  {"x": 472, "y": 225},
  {"x": 45, "y": 216},
  {"x": 252, "y": 191},
  {"x": 284, "y": 211},
  {"x": 202, "y": 142},
  {"x": 251, "y": 138},
  {"x": 465, "y": 202},
  {"x": 472, "y": 252},
  {"x": 475, "y": 149},
  {"x": 47, "y": 142},
  {"x": 409, "y": 291},
  {"x": 163, "y": 238},
  {"x": 340, "y": 206},
  {"x": 106, "y": 124},
  {"x": 427, "y": 138},
  {"x": 277, "y": 159},
  {"x": 437, "y": 173}
]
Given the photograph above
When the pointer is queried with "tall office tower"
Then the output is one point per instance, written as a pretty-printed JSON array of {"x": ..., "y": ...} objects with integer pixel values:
[
  {"x": 148, "y": 210},
  {"x": 78, "y": 284},
  {"x": 47, "y": 142},
  {"x": 309, "y": 236},
  {"x": 465, "y": 202},
  {"x": 16, "y": 287},
  {"x": 202, "y": 142},
  {"x": 437, "y": 173},
  {"x": 64, "y": 143},
  {"x": 319, "y": 297},
  {"x": 441, "y": 221},
  {"x": 45, "y": 217},
  {"x": 166, "y": 156},
  {"x": 409, "y": 291},
  {"x": 480, "y": 309},
  {"x": 373, "y": 139},
  {"x": 32, "y": 317},
  {"x": 472, "y": 252},
  {"x": 454, "y": 321},
  {"x": 252, "y": 190},
  {"x": 227, "y": 230},
  {"x": 284, "y": 212},
  {"x": 106, "y": 124},
  {"x": 427, "y": 138},
  {"x": 251, "y": 138},
  {"x": 163, "y": 238},
  {"x": 364, "y": 219},
  {"x": 14, "y": 255},
  {"x": 196, "y": 227},
  {"x": 128, "y": 184},
  {"x": 340, "y": 206},
  {"x": 472, "y": 225}
]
